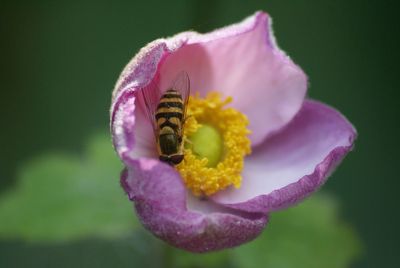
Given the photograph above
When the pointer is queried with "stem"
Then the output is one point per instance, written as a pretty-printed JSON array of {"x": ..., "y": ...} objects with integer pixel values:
[{"x": 168, "y": 256}]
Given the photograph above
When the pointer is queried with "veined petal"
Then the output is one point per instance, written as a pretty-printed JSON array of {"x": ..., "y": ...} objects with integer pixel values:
[
  {"x": 199, "y": 225},
  {"x": 296, "y": 143},
  {"x": 241, "y": 60},
  {"x": 132, "y": 134},
  {"x": 295, "y": 162}
]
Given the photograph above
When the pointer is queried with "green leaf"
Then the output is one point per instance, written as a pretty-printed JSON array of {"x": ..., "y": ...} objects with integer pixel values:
[
  {"x": 60, "y": 197},
  {"x": 309, "y": 235},
  {"x": 183, "y": 259},
  {"x": 139, "y": 249}
]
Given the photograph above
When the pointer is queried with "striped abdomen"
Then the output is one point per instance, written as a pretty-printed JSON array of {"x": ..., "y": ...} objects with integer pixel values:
[
  {"x": 170, "y": 111},
  {"x": 169, "y": 117}
]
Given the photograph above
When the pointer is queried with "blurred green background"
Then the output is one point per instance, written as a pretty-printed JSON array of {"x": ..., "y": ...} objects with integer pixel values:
[{"x": 61, "y": 59}]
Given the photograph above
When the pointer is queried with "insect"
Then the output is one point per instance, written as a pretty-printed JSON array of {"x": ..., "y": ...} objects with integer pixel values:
[{"x": 167, "y": 113}]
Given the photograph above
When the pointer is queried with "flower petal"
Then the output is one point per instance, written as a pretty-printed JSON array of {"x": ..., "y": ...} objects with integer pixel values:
[
  {"x": 294, "y": 162},
  {"x": 241, "y": 60},
  {"x": 161, "y": 203},
  {"x": 132, "y": 134}
]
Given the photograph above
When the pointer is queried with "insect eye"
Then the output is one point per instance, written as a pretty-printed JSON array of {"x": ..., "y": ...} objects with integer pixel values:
[
  {"x": 176, "y": 159},
  {"x": 164, "y": 158}
]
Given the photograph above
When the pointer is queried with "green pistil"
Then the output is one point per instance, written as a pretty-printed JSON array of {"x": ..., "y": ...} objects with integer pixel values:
[{"x": 207, "y": 143}]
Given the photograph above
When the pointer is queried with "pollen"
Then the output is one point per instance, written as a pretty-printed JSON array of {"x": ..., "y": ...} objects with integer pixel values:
[{"x": 216, "y": 142}]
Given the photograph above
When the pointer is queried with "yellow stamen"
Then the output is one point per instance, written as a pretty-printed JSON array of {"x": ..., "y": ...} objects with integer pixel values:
[{"x": 216, "y": 145}]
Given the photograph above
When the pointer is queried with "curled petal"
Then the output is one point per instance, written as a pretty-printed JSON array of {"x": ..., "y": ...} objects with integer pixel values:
[
  {"x": 294, "y": 162},
  {"x": 132, "y": 134},
  {"x": 295, "y": 150},
  {"x": 195, "y": 225},
  {"x": 241, "y": 60}
]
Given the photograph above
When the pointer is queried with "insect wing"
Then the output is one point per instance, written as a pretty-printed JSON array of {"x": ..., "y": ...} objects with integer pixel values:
[
  {"x": 182, "y": 85},
  {"x": 148, "y": 99}
]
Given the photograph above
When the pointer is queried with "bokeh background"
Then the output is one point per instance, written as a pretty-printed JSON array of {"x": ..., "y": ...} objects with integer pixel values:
[{"x": 60, "y": 60}]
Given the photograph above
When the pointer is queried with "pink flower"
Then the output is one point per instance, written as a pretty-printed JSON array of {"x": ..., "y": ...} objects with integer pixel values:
[{"x": 296, "y": 143}]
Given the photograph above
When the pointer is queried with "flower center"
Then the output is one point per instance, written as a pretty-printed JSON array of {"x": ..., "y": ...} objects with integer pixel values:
[{"x": 215, "y": 145}]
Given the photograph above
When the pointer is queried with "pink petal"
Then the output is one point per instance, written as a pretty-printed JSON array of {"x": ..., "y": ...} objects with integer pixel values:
[
  {"x": 294, "y": 162},
  {"x": 241, "y": 60},
  {"x": 133, "y": 136},
  {"x": 161, "y": 203}
]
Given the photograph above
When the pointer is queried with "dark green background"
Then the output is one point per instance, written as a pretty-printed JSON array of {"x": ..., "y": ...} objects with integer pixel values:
[{"x": 59, "y": 62}]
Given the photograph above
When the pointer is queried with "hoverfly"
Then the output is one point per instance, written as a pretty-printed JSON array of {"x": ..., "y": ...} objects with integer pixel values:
[{"x": 167, "y": 112}]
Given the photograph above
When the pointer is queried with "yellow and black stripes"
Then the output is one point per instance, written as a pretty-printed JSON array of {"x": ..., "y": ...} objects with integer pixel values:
[
  {"x": 169, "y": 116},
  {"x": 170, "y": 93},
  {"x": 170, "y": 106},
  {"x": 170, "y": 111}
]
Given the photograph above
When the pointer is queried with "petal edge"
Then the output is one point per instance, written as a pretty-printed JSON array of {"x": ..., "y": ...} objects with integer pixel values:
[
  {"x": 293, "y": 163},
  {"x": 160, "y": 201}
]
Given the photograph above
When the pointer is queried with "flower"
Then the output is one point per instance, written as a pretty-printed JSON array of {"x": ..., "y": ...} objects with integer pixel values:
[{"x": 295, "y": 142}]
